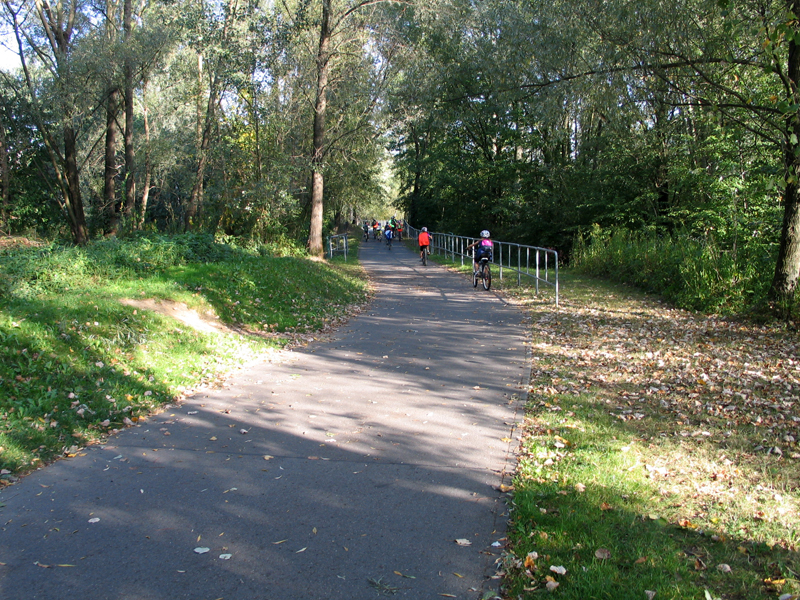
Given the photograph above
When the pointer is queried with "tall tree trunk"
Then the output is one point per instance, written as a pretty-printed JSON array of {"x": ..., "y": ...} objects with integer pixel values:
[
  {"x": 130, "y": 159},
  {"x": 416, "y": 191},
  {"x": 147, "y": 164},
  {"x": 318, "y": 155},
  {"x": 196, "y": 198},
  {"x": 110, "y": 205},
  {"x": 787, "y": 268},
  {"x": 5, "y": 178},
  {"x": 72, "y": 194}
]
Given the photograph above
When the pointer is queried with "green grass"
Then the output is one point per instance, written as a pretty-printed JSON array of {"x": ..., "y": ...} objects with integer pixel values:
[
  {"x": 645, "y": 464},
  {"x": 697, "y": 274},
  {"x": 76, "y": 363}
]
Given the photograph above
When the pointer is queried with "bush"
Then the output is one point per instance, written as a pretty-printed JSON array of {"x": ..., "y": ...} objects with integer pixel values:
[{"x": 698, "y": 274}]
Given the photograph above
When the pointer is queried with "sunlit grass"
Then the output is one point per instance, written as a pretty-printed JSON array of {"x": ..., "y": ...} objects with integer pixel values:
[{"x": 79, "y": 358}]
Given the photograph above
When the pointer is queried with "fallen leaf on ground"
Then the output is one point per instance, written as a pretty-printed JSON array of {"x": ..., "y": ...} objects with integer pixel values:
[
  {"x": 463, "y": 542},
  {"x": 602, "y": 553},
  {"x": 202, "y": 550},
  {"x": 401, "y": 574},
  {"x": 558, "y": 570}
]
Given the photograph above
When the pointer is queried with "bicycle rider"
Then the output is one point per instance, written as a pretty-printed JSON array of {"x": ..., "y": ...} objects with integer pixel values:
[
  {"x": 483, "y": 248},
  {"x": 424, "y": 239}
]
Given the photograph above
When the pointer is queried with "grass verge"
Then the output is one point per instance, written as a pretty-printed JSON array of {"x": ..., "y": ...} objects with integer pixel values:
[
  {"x": 89, "y": 343},
  {"x": 658, "y": 456}
]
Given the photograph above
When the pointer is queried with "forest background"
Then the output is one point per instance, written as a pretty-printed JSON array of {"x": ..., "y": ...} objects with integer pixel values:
[{"x": 653, "y": 142}]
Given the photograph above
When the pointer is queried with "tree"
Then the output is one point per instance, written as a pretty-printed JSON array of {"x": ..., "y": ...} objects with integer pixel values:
[
  {"x": 60, "y": 26},
  {"x": 343, "y": 32}
]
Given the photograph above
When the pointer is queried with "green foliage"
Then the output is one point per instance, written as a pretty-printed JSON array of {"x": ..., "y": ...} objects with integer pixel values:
[
  {"x": 79, "y": 355},
  {"x": 699, "y": 274}
]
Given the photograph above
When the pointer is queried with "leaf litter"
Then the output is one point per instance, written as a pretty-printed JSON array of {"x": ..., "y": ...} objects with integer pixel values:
[
  {"x": 723, "y": 394},
  {"x": 709, "y": 409}
]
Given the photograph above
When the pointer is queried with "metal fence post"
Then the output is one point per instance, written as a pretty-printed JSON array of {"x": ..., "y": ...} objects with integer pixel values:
[{"x": 500, "y": 244}]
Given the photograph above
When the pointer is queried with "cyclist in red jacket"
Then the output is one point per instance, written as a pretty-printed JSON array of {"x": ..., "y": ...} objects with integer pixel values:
[{"x": 424, "y": 240}]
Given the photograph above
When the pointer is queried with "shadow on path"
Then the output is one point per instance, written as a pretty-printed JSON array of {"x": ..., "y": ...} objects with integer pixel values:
[{"x": 344, "y": 470}]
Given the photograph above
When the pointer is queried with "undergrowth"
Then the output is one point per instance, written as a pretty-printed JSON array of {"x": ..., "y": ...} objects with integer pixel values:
[{"x": 692, "y": 273}]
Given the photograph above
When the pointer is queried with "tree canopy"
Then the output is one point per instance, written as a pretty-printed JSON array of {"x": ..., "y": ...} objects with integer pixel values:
[{"x": 537, "y": 120}]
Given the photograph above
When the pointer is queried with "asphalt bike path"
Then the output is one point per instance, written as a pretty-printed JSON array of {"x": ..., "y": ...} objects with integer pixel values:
[{"x": 347, "y": 469}]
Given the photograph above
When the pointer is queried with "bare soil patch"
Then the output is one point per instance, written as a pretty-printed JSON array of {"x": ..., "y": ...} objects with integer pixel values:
[{"x": 205, "y": 322}]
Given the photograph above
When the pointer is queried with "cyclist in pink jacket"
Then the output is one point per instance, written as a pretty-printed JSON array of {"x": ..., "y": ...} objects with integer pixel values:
[{"x": 483, "y": 247}]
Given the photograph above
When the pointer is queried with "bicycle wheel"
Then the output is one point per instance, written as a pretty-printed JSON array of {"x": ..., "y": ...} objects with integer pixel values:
[
  {"x": 487, "y": 276},
  {"x": 424, "y": 258},
  {"x": 475, "y": 276}
]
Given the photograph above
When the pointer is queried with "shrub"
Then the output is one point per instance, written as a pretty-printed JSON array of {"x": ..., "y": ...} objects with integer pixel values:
[{"x": 699, "y": 274}]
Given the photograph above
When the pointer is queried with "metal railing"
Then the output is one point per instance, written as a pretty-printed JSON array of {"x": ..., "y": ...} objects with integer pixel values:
[
  {"x": 540, "y": 264},
  {"x": 337, "y": 244}
]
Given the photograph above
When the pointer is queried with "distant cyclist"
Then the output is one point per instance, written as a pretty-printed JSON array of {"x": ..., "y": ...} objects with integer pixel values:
[
  {"x": 388, "y": 234},
  {"x": 424, "y": 239},
  {"x": 483, "y": 248}
]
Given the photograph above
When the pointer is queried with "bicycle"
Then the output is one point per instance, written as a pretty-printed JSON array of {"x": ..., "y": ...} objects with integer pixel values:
[
  {"x": 484, "y": 273},
  {"x": 425, "y": 256}
]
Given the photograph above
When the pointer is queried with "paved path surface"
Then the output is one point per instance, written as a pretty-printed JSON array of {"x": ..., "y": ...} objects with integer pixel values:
[{"x": 322, "y": 474}]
